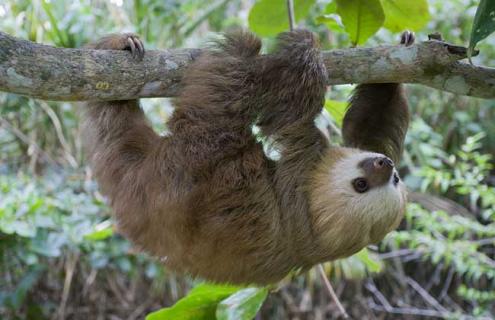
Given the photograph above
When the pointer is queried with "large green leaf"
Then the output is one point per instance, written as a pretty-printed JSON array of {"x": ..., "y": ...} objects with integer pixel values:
[
  {"x": 405, "y": 14},
  {"x": 361, "y": 18},
  {"x": 269, "y": 17},
  {"x": 200, "y": 304},
  {"x": 242, "y": 305},
  {"x": 484, "y": 23}
]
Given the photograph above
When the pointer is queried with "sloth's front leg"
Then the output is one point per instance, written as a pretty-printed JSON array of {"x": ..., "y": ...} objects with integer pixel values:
[
  {"x": 378, "y": 116},
  {"x": 117, "y": 134}
]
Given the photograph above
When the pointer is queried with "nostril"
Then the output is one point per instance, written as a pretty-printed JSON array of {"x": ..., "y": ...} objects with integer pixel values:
[
  {"x": 389, "y": 162},
  {"x": 379, "y": 163}
]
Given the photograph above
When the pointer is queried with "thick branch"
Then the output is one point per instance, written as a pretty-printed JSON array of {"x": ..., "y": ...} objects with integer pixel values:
[{"x": 80, "y": 74}]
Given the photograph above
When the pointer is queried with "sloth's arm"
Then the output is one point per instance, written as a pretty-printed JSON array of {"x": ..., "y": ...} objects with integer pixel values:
[
  {"x": 117, "y": 133},
  {"x": 294, "y": 82},
  {"x": 378, "y": 116},
  {"x": 377, "y": 119},
  {"x": 212, "y": 123}
]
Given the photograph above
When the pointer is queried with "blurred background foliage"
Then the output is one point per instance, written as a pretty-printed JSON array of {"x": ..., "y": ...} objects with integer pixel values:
[{"x": 60, "y": 257}]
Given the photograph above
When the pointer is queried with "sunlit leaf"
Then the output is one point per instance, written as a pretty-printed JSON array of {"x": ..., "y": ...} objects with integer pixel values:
[
  {"x": 336, "y": 109},
  {"x": 403, "y": 15},
  {"x": 200, "y": 304},
  {"x": 101, "y": 231},
  {"x": 361, "y": 18},
  {"x": 484, "y": 23},
  {"x": 372, "y": 263},
  {"x": 269, "y": 17},
  {"x": 242, "y": 305}
]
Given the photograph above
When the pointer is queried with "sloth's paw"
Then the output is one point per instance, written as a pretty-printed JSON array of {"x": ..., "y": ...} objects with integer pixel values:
[{"x": 123, "y": 41}]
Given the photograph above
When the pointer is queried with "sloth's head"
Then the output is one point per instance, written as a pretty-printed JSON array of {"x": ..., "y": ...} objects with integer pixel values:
[{"x": 357, "y": 197}]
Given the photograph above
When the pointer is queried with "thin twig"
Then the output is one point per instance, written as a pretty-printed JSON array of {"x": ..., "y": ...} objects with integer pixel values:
[
  {"x": 396, "y": 253},
  {"x": 70, "y": 266},
  {"x": 290, "y": 11},
  {"x": 425, "y": 295},
  {"x": 191, "y": 26},
  {"x": 446, "y": 286},
  {"x": 370, "y": 285},
  {"x": 419, "y": 312},
  {"x": 332, "y": 292},
  {"x": 385, "y": 306},
  {"x": 59, "y": 131}
]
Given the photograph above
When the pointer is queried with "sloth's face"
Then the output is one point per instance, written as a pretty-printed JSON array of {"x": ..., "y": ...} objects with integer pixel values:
[{"x": 361, "y": 199}]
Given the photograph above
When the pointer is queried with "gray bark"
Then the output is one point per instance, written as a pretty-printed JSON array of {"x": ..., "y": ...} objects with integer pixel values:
[{"x": 50, "y": 73}]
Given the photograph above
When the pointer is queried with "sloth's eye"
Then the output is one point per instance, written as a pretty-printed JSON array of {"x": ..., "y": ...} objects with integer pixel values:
[{"x": 360, "y": 185}]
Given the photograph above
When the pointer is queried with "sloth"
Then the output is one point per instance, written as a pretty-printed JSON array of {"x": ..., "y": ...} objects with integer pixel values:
[{"x": 207, "y": 200}]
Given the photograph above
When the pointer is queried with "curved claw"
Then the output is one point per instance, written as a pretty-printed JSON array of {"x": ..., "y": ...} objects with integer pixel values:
[
  {"x": 132, "y": 46},
  {"x": 136, "y": 47},
  {"x": 407, "y": 38},
  {"x": 140, "y": 48}
]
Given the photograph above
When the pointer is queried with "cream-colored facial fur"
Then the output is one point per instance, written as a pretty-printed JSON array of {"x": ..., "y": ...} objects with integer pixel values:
[{"x": 348, "y": 220}]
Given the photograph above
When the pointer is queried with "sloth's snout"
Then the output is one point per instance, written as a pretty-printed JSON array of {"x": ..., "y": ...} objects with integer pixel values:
[
  {"x": 382, "y": 163},
  {"x": 377, "y": 170}
]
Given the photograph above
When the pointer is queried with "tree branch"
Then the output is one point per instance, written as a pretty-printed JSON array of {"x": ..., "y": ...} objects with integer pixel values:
[{"x": 50, "y": 73}]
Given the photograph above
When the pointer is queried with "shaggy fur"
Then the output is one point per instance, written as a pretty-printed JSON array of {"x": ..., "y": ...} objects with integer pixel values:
[{"x": 209, "y": 202}]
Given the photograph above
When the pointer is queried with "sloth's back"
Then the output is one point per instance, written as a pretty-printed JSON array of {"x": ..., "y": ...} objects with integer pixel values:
[{"x": 223, "y": 225}]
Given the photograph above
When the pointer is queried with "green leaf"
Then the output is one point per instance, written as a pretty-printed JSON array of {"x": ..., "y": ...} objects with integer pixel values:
[
  {"x": 101, "y": 231},
  {"x": 372, "y": 263},
  {"x": 331, "y": 19},
  {"x": 336, "y": 109},
  {"x": 484, "y": 23},
  {"x": 242, "y": 305},
  {"x": 405, "y": 14},
  {"x": 361, "y": 18},
  {"x": 200, "y": 304},
  {"x": 269, "y": 17}
]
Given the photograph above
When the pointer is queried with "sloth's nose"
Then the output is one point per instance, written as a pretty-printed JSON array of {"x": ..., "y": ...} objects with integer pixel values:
[
  {"x": 381, "y": 163},
  {"x": 377, "y": 170}
]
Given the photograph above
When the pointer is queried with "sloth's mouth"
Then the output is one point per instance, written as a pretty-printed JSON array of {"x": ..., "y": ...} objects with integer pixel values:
[{"x": 396, "y": 179}]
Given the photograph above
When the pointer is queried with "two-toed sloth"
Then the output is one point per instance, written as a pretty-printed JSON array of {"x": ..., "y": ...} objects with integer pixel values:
[{"x": 209, "y": 202}]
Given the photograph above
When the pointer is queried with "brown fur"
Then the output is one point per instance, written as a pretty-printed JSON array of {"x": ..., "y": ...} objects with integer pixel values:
[
  {"x": 377, "y": 119},
  {"x": 206, "y": 199}
]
